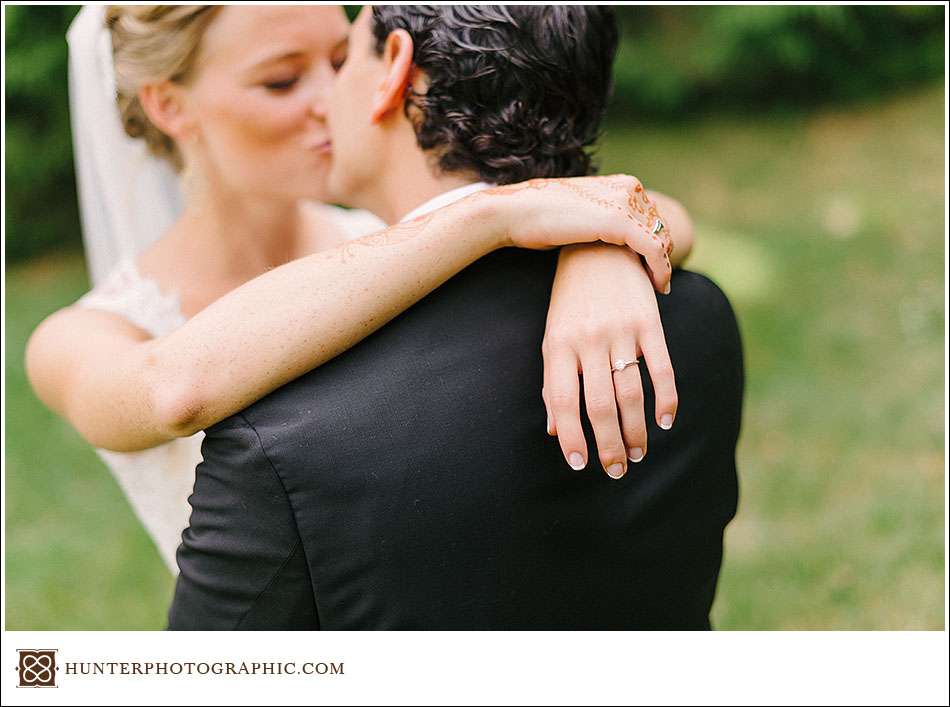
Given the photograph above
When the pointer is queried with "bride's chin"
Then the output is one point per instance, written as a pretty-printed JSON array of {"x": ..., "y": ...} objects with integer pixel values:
[
  {"x": 317, "y": 186},
  {"x": 319, "y": 193}
]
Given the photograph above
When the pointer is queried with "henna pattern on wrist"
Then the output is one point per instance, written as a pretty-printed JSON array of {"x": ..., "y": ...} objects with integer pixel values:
[
  {"x": 393, "y": 235},
  {"x": 638, "y": 207}
]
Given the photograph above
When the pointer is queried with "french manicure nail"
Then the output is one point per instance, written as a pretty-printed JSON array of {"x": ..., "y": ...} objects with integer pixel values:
[
  {"x": 666, "y": 422},
  {"x": 576, "y": 461},
  {"x": 635, "y": 455},
  {"x": 615, "y": 471},
  {"x": 666, "y": 290}
]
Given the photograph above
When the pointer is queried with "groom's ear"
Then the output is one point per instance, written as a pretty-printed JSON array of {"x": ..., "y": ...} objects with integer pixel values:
[
  {"x": 397, "y": 64},
  {"x": 164, "y": 105}
]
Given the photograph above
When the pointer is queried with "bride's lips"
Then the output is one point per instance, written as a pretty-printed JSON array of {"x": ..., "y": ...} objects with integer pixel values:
[{"x": 322, "y": 146}]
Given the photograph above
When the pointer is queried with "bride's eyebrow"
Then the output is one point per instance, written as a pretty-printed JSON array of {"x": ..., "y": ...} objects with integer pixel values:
[{"x": 275, "y": 59}]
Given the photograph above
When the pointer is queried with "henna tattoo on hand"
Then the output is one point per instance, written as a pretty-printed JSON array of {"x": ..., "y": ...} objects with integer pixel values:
[
  {"x": 633, "y": 203},
  {"x": 641, "y": 203}
]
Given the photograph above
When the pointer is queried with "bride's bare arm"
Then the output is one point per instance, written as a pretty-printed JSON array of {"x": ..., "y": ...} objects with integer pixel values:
[{"x": 124, "y": 391}]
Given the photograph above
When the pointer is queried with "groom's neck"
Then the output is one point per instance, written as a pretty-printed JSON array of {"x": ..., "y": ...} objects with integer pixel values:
[
  {"x": 403, "y": 199},
  {"x": 409, "y": 182}
]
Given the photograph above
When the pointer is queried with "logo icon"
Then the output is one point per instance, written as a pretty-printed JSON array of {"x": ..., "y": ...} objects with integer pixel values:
[{"x": 37, "y": 668}]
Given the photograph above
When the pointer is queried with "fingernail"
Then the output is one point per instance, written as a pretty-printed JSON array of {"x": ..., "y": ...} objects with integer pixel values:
[
  {"x": 666, "y": 422},
  {"x": 576, "y": 461},
  {"x": 549, "y": 424},
  {"x": 666, "y": 290},
  {"x": 635, "y": 455},
  {"x": 615, "y": 471}
]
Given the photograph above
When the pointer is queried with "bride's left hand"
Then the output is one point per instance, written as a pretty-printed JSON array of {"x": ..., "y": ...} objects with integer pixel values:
[{"x": 603, "y": 309}]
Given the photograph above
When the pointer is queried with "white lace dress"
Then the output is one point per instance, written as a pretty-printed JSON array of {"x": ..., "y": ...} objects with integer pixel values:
[{"x": 158, "y": 481}]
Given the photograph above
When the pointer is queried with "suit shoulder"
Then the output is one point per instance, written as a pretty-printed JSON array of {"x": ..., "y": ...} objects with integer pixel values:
[
  {"x": 697, "y": 298},
  {"x": 701, "y": 291}
]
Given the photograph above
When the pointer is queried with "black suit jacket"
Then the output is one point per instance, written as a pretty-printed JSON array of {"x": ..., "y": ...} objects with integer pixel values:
[{"x": 409, "y": 483}]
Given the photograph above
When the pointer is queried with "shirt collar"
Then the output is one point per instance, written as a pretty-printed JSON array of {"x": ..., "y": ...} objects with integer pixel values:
[{"x": 444, "y": 199}]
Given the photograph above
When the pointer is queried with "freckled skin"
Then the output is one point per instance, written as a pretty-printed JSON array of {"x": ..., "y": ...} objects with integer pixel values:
[{"x": 619, "y": 193}]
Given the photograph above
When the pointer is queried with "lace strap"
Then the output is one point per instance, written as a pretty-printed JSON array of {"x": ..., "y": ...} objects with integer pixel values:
[{"x": 138, "y": 299}]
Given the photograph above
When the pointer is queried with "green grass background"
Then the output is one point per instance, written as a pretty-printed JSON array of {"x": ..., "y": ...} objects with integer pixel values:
[{"x": 825, "y": 229}]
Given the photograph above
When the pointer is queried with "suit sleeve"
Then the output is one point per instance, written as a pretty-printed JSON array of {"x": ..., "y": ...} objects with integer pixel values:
[{"x": 241, "y": 558}]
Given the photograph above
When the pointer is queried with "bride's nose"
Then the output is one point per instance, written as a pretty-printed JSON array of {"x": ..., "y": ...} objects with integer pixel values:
[
  {"x": 318, "y": 100},
  {"x": 318, "y": 108}
]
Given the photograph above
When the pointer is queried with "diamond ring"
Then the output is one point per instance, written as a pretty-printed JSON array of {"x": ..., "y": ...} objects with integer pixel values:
[{"x": 620, "y": 364}]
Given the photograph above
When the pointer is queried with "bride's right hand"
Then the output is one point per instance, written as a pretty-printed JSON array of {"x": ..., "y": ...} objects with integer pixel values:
[{"x": 546, "y": 213}]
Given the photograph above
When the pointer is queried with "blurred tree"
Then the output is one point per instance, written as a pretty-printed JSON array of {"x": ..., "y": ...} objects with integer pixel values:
[
  {"x": 673, "y": 61},
  {"x": 41, "y": 206}
]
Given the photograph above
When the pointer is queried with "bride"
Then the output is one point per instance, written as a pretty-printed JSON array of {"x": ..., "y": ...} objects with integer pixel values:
[{"x": 219, "y": 275}]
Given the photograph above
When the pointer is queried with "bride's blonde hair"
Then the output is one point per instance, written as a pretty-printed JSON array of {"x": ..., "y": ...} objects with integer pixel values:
[{"x": 154, "y": 43}]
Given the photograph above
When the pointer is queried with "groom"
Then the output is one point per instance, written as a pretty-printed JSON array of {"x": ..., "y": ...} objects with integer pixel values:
[{"x": 409, "y": 483}]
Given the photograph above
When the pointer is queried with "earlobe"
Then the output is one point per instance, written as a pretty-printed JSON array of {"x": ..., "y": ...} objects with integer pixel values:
[
  {"x": 163, "y": 107},
  {"x": 397, "y": 60}
]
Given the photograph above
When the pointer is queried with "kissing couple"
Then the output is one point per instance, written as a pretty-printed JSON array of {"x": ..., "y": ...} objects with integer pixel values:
[{"x": 389, "y": 417}]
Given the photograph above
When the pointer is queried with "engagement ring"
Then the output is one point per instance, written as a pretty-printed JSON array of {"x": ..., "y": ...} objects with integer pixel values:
[{"x": 620, "y": 364}]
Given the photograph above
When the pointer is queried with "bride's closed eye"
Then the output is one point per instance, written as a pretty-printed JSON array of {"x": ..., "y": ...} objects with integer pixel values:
[
  {"x": 338, "y": 55},
  {"x": 281, "y": 85}
]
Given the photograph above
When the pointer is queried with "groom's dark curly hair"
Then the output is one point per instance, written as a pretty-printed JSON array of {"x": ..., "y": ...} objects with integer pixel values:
[{"x": 514, "y": 91}]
